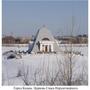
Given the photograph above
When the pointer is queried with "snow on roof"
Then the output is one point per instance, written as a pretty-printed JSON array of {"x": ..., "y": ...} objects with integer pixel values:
[{"x": 42, "y": 33}]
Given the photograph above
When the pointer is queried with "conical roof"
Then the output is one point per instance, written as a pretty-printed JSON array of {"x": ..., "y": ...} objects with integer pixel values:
[{"x": 43, "y": 32}]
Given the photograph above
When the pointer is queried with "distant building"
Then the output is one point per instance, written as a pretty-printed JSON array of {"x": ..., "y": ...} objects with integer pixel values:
[
  {"x": 15, "y": 40},
  {"x": 80, "y": 39},
  {"x": 24, "y": 40},
  {"x": 8, "y": 40}
]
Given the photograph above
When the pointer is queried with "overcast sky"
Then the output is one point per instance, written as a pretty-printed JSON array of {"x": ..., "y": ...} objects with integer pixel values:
[{"x": 25, "y": 17}]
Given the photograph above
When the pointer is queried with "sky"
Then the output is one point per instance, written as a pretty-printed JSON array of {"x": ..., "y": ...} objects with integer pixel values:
[{"x": 25, "y": 17}]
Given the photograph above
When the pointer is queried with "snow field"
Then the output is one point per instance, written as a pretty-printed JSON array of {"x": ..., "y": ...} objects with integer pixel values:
[{"x": 39, "y": 67}]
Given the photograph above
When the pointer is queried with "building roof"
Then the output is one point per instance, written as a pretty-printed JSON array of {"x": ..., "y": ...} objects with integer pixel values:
[{"x": 43, "y": 33}]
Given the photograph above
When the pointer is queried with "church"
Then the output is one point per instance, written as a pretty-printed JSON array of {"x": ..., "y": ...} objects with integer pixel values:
[{"x": 44, "y": 42}]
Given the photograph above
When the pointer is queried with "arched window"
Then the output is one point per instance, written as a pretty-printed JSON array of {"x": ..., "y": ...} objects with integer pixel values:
[{"x": 46, "y": 39}]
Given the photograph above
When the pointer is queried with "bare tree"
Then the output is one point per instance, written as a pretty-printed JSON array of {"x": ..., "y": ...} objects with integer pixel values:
[{"x": 66, "y": 67}]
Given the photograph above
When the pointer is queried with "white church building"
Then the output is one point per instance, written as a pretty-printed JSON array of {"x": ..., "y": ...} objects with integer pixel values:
[
  {"x": 46, "y": 45},
  {"x": 44, "y": 42}
]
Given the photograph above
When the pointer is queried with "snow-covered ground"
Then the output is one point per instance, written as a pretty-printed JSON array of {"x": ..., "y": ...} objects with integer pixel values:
[{"x": 45, "y": 69}]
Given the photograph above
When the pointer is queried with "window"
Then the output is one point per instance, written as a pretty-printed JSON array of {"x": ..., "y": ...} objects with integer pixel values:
[{"x": 46, "y": 39}]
